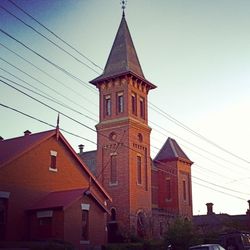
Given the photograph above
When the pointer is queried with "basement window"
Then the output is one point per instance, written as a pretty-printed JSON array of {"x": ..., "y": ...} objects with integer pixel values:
[{"x": 53, "y": 155}]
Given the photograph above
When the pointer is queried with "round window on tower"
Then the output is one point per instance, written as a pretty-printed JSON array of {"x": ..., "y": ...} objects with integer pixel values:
[
  {"x": 140, "y": 137},
  {"x": 112, "y": 136}
]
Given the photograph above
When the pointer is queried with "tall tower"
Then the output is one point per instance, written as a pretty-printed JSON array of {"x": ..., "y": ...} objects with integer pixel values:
[{"x": 123, "y": 135}]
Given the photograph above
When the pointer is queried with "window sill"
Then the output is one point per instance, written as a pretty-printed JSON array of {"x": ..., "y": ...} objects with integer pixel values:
[
  {"x": 84, "y": 242},
  {"x": 53, "y": 169},
  {"x": 113, "y": 184}
]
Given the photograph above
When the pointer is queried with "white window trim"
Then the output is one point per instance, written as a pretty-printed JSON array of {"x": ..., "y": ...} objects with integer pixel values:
[
  {"x": 4, "y": 194},
  {"x": 53, "y": 153},
  {"x": 44, "y": 214},
  {"x": 53, "y": 169},
  {"x": 85, "y": 206}
]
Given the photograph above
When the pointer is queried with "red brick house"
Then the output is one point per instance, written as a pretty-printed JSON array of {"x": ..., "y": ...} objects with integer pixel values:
[
  {"x": 122, "y": 162},
  {"x": 46, "y": 192}
]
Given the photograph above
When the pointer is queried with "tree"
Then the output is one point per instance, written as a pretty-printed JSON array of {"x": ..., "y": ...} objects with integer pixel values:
[{"x": 180, "y": 234}]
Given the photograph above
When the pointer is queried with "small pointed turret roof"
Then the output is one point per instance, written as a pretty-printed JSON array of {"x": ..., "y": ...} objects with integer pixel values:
[
  {"x": 170, "y": 151},
  {"x": 123, "y": 58}
]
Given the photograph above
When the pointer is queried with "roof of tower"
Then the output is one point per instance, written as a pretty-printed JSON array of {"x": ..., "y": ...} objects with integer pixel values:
[
  {"x": 171, "y": 150},
  {"x": 122, "y": 58}
]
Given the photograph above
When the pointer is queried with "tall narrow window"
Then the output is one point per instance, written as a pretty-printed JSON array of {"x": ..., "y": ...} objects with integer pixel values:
[
  {"x": 53, "y": 155},
  {"x": 168, "y": 189},
  {"x": 120, "y": 103},
  {"x": 134, "y": 104},
  {"x": 142, "y": 108},
  {"x": 139, "y": 179},
  {"x": 3, "y": 217},
  {"x": 184, "y": 190},
  {"x": 85, "y": 225},
  {"x": 107, "y": 105},
  {"x": 113, "y": 169}
]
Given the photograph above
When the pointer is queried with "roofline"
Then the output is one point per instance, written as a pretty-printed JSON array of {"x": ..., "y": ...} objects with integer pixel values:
[
  {"x": 115, "y": 75},
  {"x": 52, "y": 132},
  {"x": 86, "y": 168},
  {"x": 63, "y": 208}
]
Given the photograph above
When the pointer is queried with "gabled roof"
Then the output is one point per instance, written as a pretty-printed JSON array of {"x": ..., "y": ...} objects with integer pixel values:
[
  {"x": 123, "y": 58},
  {"x": 13, "y": 148},
  {"x": 63, "y": 199},
  {"x": 171, "y": 151},
  {"x": 59, "y": 199}
]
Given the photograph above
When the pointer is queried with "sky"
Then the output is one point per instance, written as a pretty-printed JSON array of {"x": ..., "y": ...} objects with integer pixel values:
[{"x": 196, "y": 52}]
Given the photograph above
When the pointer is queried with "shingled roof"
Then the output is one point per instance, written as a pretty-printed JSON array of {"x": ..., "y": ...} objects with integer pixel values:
[
  {"x": 170, "y": 151},
  {"x": 122, "y": 58}
]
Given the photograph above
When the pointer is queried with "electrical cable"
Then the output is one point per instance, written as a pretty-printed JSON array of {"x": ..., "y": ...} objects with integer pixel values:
[
  {"x": 53, "y": 33},
  {"x": 39, "y": 33}
]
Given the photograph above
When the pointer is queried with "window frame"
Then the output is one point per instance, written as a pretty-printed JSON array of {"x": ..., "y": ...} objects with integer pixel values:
[
  {"x": 107, "y": 105},
  {"x": 139, "y": 170},
  {"x": 113, "y": 169},
  {"x": 134, "y": 103},
  {"x": 120, "y": 102}
]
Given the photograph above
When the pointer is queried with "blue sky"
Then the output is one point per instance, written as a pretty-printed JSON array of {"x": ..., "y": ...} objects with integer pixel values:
[{"x": 196, "y": 52}]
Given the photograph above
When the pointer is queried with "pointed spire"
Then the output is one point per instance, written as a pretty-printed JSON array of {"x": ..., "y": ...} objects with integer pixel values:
[
  {"x": 170, "y": 151},
  {"x": 57, "y": 126},
  {"x": 123, "y": 58}
]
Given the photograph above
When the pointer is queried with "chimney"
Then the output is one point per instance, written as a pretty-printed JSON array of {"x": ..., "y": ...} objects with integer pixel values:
[
  {"x": 81, "y": 147},
  {"x": 27, "y": 132},
  {"x": 1, "y": 138},
  {"x": 210, "y": 208},
  {"x": 248, "y": 210}
]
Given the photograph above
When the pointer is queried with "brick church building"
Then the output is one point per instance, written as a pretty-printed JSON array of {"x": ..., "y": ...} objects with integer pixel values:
[{"x": 145, "y": 193}]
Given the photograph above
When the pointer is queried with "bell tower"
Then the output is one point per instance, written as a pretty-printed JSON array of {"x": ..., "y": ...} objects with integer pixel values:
[{"x": 123, "y": 135}]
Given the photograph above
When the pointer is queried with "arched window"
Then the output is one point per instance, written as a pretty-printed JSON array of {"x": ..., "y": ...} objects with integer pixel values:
[{"x": 113, "y": 214}]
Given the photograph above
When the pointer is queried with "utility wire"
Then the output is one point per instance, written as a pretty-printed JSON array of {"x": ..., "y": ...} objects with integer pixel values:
[
  {"x": 39, "y": 33},
  {"x": 46, "y": 96},
  {"x": 47, "y": 60},
  {"x": 169, "y": 116},
  {"x": 202, "y": 149},
  {"x": 53, "y": 33},
  {"x": 180, "y": 124},
  {"x": 55, "y": 91},
  {"x": 32, "y": 117},
  {"x": 39, "y": 120},
  {"x": 46, "y": 73}
]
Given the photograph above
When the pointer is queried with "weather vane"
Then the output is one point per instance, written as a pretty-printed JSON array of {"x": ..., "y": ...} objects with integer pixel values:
[{"x": 123, "y": 4}]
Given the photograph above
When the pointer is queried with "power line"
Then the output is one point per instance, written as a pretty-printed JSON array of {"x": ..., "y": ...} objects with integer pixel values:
[
  {"x": 46, "y": 73},
  {"x": 39, "y": 33},
  {"x": 47, "y": 60},
  {"x": 53, "y": 33},
  {"x": 180, "y": 124},
  {"x": 202, "y": 149},
  {"x": 32, "y": 117},
  {"x": 48, "y": 98},
  {"x": 67, "y": 98},
  {"x": 39, "y": 120}
]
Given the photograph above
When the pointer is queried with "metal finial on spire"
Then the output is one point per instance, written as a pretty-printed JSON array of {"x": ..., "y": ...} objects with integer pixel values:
[{"x": 123, "y": 4}]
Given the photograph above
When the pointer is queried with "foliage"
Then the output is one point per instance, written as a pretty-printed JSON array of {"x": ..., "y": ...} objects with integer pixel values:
[{"x": 181, "y": 234}]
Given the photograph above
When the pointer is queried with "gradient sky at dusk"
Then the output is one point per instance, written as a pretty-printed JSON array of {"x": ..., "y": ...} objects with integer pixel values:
[{"x": 197, "y": 52}]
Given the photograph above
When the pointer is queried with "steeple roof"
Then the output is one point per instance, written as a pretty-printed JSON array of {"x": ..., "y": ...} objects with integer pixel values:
[
  {"x": 170, "y": 151},
  {"x": 123, "y": 57}
]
